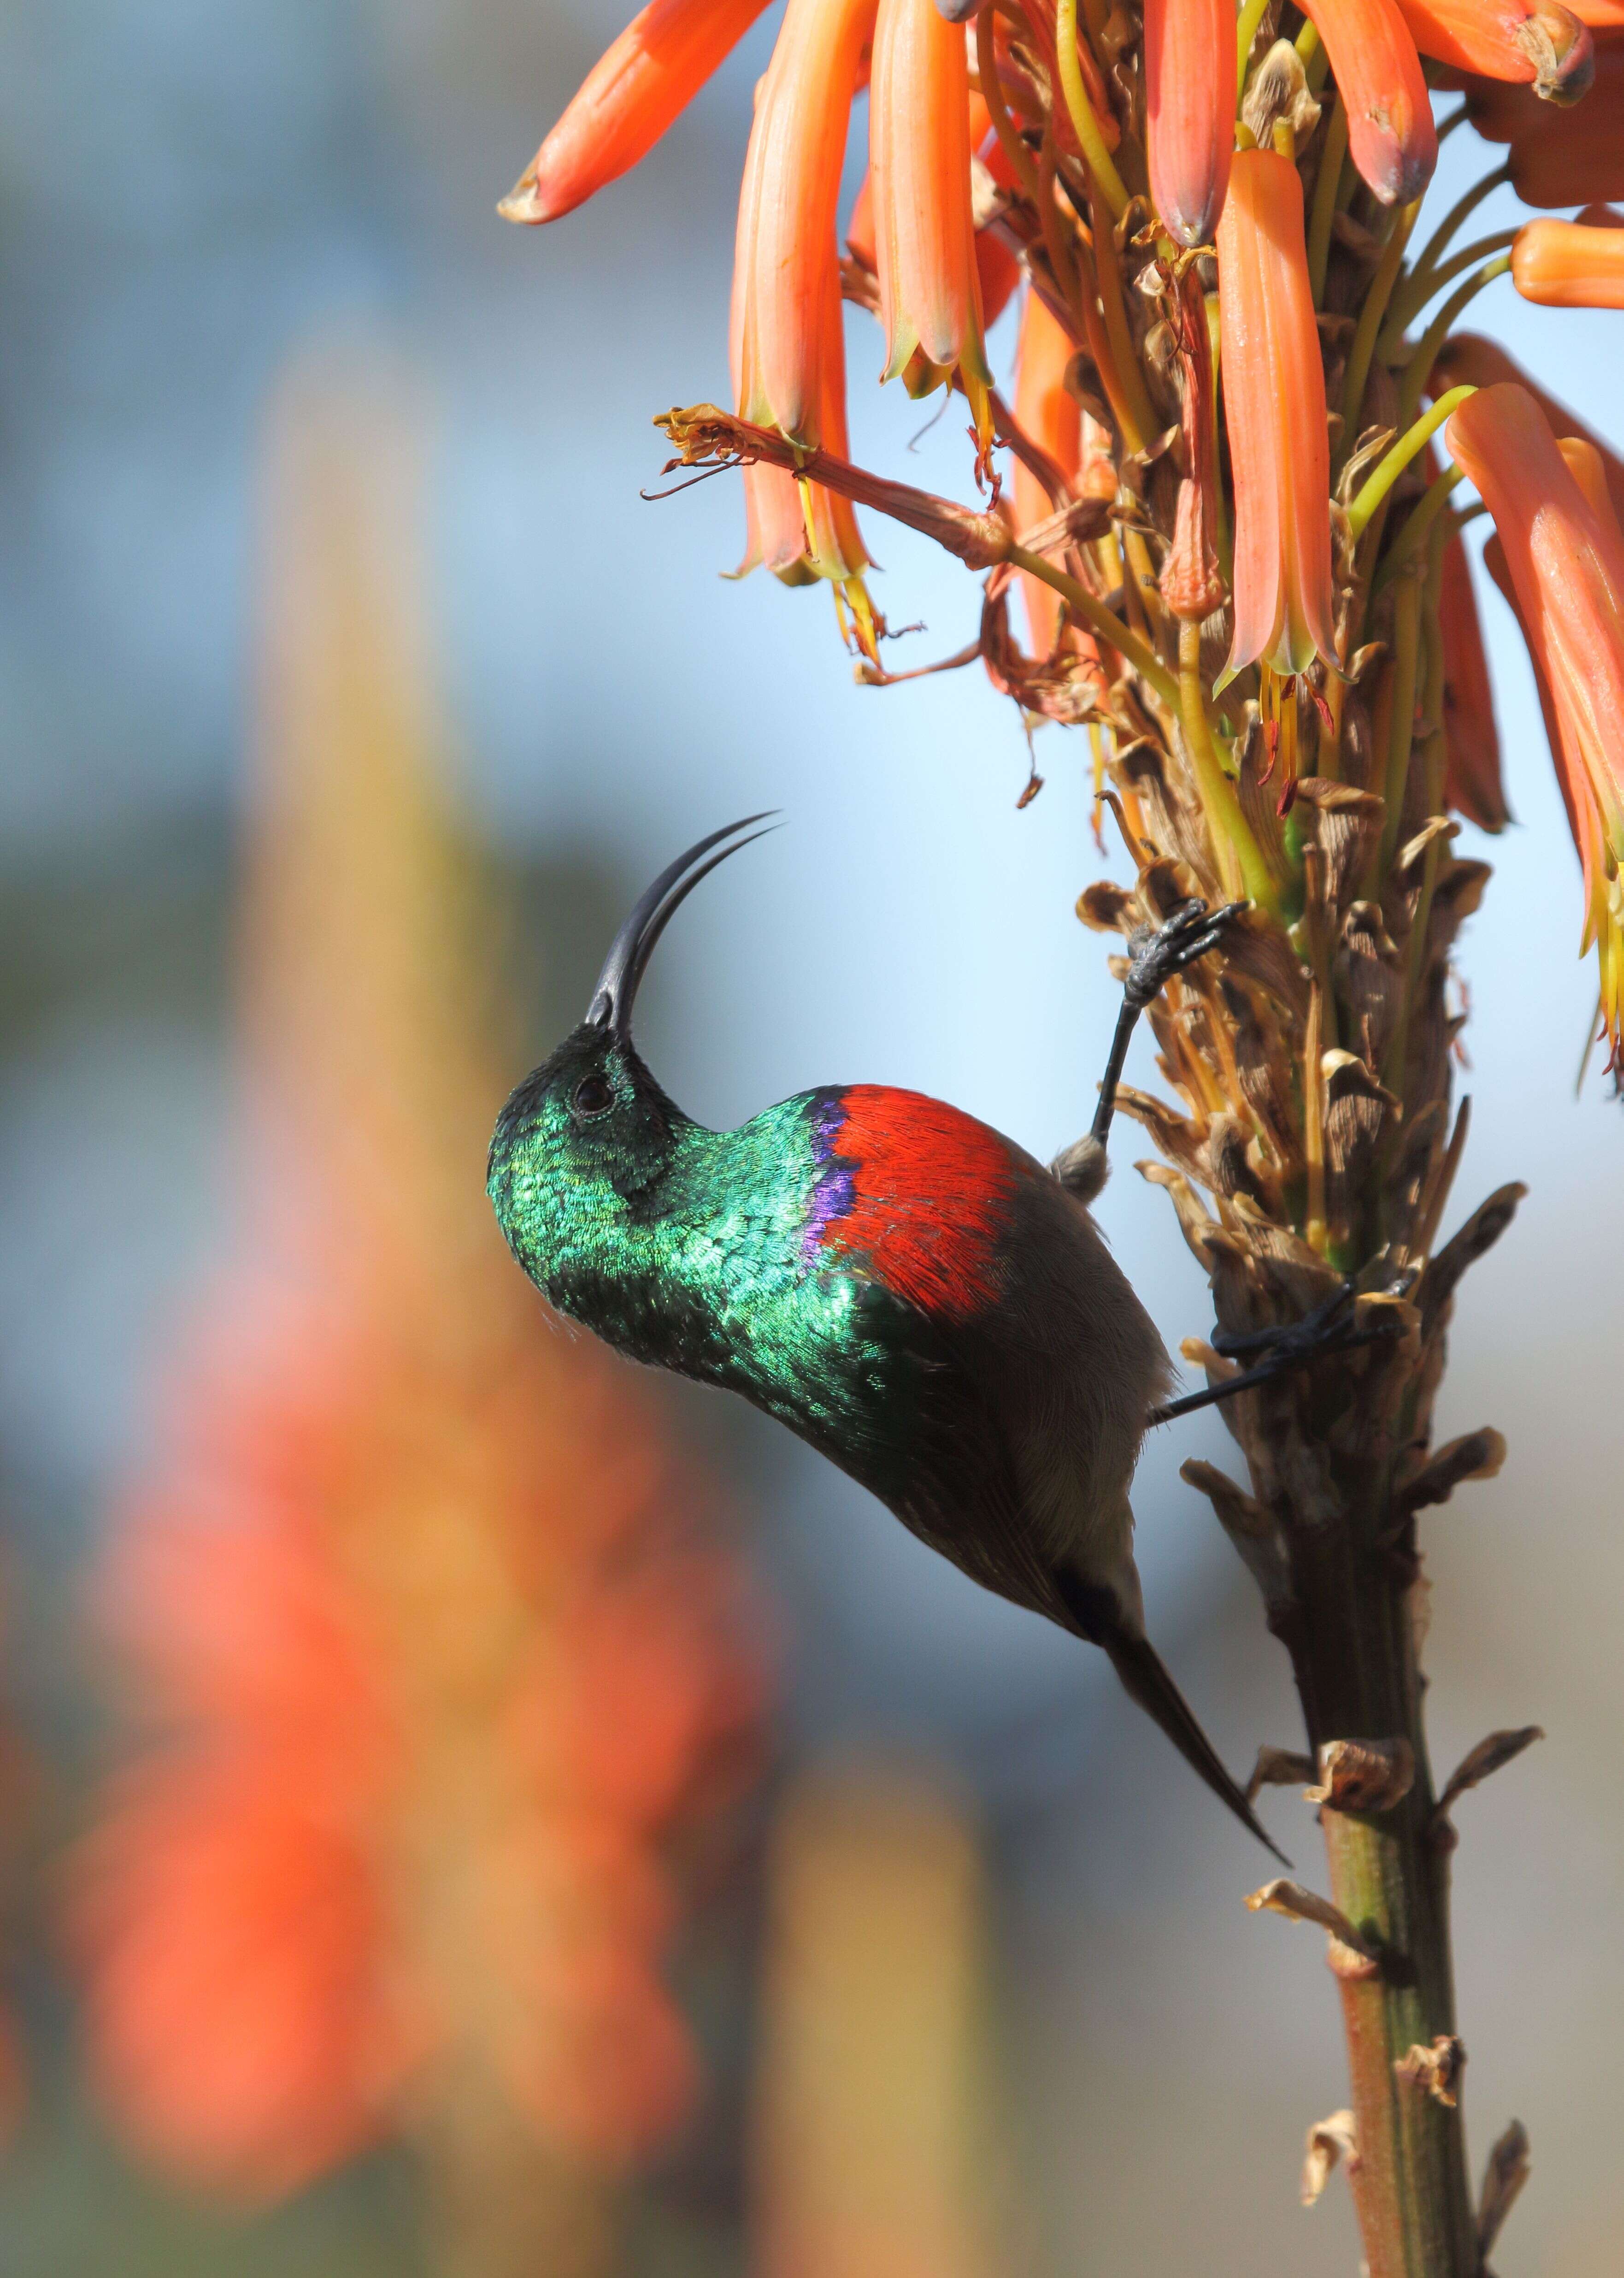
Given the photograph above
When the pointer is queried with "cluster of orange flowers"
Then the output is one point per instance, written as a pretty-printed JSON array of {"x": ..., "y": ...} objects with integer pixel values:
[{"x": 1100, "y": 160}]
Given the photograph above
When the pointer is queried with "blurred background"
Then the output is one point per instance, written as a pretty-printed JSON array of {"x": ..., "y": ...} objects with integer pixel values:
[{"x": 465, "y": 1807}]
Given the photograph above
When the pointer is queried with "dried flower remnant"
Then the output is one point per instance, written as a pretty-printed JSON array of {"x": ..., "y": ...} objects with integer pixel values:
[
  {"x": 1565, "y": 556},
  {"x": 1543, "y": 44}
]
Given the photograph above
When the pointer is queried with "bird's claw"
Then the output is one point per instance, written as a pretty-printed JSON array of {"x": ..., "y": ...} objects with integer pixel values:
[
  {"x": 1336, "y": 1324},
  {"x": 1157, "y": 953}
]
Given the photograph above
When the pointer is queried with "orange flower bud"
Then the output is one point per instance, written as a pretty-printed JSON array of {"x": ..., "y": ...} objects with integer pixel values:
[
  {"x": 1389, "y": 131},
  {"x": 787, "y": 350},
  {"x": 630, "y": 96},
  {"x": 794, "y": 530},
  {"x": 785, "y": 260},
  {"x": 1472, "y": 784},
  {"x": 1561, "y": 158},
  {"x": 1274, "y": 409},
  {"x": 1536, "y": 40},
  {"x": 918, "y": 142},
  {"x": 1562, "y": 264},
  {"x": 1564, "y": 553},
  {"x": 1053, "y": 419},
  {"x": 1189, "y": 68}
]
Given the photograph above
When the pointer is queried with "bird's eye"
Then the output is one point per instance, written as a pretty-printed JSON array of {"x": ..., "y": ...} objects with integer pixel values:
[{"x": 593, "y": 1095}]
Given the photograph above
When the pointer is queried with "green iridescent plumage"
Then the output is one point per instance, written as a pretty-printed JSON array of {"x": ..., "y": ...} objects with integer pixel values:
[{"x": 686, "y": 1247}]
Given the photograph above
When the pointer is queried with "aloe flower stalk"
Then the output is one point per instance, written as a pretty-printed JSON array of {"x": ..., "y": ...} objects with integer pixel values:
[{"x": 1262, "y": 616}]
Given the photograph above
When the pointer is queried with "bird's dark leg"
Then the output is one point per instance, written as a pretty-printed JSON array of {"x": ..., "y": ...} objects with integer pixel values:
[
  {"x": 1155, "y": 954},
  {"x": 1336, "y": 1325}
]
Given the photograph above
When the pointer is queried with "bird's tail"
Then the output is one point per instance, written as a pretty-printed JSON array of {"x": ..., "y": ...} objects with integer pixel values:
[{"x": 1145, "y": 1678}]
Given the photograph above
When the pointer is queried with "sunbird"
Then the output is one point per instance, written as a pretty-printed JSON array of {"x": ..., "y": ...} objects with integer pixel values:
[{"x": 911, "y": 1292}]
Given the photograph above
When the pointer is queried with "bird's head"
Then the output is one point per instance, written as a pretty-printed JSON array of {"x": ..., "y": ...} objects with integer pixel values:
[{"x": 583, "y": 1144}]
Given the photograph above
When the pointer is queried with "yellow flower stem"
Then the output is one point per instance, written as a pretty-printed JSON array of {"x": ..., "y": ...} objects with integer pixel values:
[
  {"x": 1315, "y": 62},
  {"x": 1433, "y": 754},
  {"x": 1386, "y": 473},
  {"x": 1315, "y": 1230},
  {"x": 1108, "y": 282},
  {"x": 1401, "y": 723},
  {"x": 1432, "y": 252},
  {"x": 1129, "y": 407},
  {"x": 1085, "y": 126},
  {"x": 1418, "y": 371},
  {"x": 1062, "y": 260},
  {"x": 1240, "y": 864},
  {"x": 991, "y": 95},
  {"x": 1423, "y": 516},
  {"x": 1370, "y": 324},
  {"x": 1245, "y": 31},
  {"x": 1325, "y": 199},
  {"x": 1388, "y": 348},
  {"x": 1103, "y": 623}
]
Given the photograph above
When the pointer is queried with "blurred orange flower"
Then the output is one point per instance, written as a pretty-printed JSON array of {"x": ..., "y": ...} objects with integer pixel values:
[
  {"x": 434, "y": 1651},
  {"x": 1560, "y": 156},
  {"x": 1472, "y": 783},
  {"x": 1564, "y": 555}
]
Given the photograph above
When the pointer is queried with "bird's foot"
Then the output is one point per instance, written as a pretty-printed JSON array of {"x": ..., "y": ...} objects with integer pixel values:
[
  {"x": 1157, "y": 953},
  {"x": 1340, "y": 1324}
]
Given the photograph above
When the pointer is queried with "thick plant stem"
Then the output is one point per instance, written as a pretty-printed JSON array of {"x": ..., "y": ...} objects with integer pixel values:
[{"x": 1352, "y": 1648}]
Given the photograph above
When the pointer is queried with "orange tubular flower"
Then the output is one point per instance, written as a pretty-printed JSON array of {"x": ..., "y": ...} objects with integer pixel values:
[
  {"x": 1189, "y": 68},
  {"x": 1056, "y": 422},
  {"x": 1472, "y": 785},
  {"x": 787, "y": 348},
  {"x": 1391, "y": 135},
  {"x": 918, "y": 142},
  {"x": 1471, "y": 360},
  {"x": 1564, "y": 556},
  {"x": 1561, "y": 158},
  {"x": 1562, "y": 264},
  {"x": 1274, "y": 408},
  {"x": 1517, "y": 40},
  {"x": 652, "y": 72}
]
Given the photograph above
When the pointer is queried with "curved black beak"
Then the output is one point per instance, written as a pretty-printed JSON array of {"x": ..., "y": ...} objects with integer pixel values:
[{"x": 633, "y": 946}]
